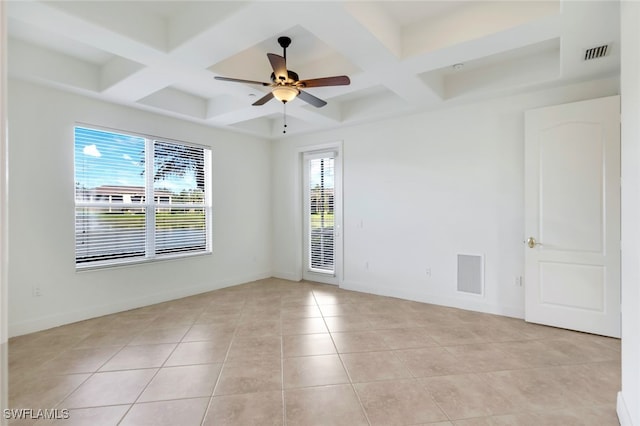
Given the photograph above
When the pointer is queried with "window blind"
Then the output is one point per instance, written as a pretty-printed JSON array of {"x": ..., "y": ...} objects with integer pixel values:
[
  {"x": 139, "y": 198},
  {"x": 321, "y": 213}
]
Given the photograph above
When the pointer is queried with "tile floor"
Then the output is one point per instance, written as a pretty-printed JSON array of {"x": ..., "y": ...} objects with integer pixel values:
[{"x": 275, "y": 352}]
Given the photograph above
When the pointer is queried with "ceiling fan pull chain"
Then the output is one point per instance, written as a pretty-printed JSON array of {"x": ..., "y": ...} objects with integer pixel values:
[{"x": 285, "y": 117}]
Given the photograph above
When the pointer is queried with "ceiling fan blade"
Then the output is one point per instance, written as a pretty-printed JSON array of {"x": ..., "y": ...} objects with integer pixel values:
[
  {"x": 338, "y": 80},
  {"x": 279, "y": 65},
  {"x": 263, "y": 100},
  {"x": 237, "y": 80},
  {"x": 309, "y": 98}
]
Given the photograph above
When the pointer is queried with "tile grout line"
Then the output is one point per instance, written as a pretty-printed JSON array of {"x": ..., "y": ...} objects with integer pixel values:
[
  {"x": 344, "y": 367},
  {"x": 124, "y": 416},
  {"x": 226, "y": 356}
]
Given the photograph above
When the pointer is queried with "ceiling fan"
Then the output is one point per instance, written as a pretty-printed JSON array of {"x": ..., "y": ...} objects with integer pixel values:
[{"x": 286, "y": 85}]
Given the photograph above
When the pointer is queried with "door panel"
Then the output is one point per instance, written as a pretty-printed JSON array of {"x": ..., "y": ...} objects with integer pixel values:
[
  {"x": 321, "y": 216},
  {"x": 572, "y": 216},
  {"x": 572, "y": 286},
  {"x": 562, "y": 174}
]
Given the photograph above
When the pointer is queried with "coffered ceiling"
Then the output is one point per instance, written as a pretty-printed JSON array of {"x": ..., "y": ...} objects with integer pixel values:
[{"x": 401, "y": 56}]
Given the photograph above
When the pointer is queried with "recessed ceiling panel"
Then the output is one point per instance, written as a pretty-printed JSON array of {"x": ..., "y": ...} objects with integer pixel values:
[
  {"x": 538, "y": 63},
  {"x": 59, "y": 43},
  {"x": 470, "y": 21},
  {"x": 306, "y": 54},
  {"x": 177, "y": 101}
]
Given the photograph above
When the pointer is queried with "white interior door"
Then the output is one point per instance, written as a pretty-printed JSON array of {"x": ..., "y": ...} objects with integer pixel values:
[
  {"x": 572, "y": 216},
  {"x": 321, "y": 181}
]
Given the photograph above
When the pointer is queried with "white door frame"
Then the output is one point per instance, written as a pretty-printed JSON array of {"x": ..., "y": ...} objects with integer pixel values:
[{"x": 337, "y": 277}]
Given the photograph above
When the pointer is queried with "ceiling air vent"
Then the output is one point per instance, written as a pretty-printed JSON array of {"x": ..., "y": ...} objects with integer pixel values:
[{"x": 596, "y": 52}]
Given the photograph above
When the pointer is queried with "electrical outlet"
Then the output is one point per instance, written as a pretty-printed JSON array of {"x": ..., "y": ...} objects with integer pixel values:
[
  {"x": 36, "y": 291},
  {"x": 428, "y": 272}
]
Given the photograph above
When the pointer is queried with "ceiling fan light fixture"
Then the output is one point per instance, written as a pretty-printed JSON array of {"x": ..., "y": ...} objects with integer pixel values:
[{"x": 285, "y": 93}]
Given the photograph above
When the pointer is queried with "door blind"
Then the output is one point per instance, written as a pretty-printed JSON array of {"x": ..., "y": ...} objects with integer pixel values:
[{"x": 321, "y": 203}]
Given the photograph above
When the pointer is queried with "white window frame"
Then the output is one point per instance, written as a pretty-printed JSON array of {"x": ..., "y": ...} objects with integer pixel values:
[{"x": 150, "y": 204}]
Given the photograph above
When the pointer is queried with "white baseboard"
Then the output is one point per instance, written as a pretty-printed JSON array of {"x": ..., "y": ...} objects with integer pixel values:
[
  {"x": 291, "y": 276},
  {"x": 623, "y": 412},
  {"x": 475, "y": 304},
  {"x": 58, "y": 319}
]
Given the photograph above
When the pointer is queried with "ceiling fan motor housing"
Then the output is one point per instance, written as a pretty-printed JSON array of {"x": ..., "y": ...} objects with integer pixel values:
[{"x": 293, "y": 77}]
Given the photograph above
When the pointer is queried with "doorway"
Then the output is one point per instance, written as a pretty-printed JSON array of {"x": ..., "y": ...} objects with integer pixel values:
[{"x": 321, "y": 183}]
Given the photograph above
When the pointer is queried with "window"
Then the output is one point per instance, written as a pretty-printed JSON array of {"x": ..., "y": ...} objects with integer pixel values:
[
  {"x": 139, "y": 198},
  {"x": 320, "y": 200}
]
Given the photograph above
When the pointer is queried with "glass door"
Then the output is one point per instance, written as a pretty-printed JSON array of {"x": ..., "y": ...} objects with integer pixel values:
[{"x": 320, "y": 193}]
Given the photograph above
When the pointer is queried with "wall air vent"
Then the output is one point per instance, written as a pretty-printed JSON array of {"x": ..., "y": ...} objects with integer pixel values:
[
  {"x": 596, "y": 52},
  {"x": 471, "y": 274}
]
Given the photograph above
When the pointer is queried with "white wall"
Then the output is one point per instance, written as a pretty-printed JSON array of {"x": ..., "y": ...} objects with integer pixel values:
[
  {"x": 4, "y": 363},
  {"x": 41, "y": 213},
  {"x": 419, "y": 190},
  {"x": 629, "y": 398}
]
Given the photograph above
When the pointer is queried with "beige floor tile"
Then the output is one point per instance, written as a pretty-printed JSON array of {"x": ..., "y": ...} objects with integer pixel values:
[
  {"x": 258, "y": 328},
  {"x": 219, "y": 316},
  {"x": 313, "y": 371},
  {"x": 174, "y": 318},
  {"x": 256, "y": 347},
  {"x": 485, "y": 357},
  {"x": 475, "y": 421},
  {"x": 580, "y": 350},
  {"x": 534, "y": 353},
  {"x": 372, "y": 366},
  {"x": 44, "y": 392},
  {"x": 331, "y": 298},
  {"x": 496, "y": 331},
  {"x": 87, "y": 360},
  {"x": 106, "y": 338},
  {"x": 160, "y": 335},
  {"x": 217, "y": 333},
  {"x": 299, "y": 311},
  {"x": 259, "y": 408},
  {"x": 307, "y": 344},
  {"x": 455, "y": 335},
  {"x": 581, "y": 416},
  {"x": 110, "y": 388},
  {"x": 191, "y": 381},
  {"x": 185, "y": 412},
  {"x": 594, "y": 383},
  {"x": 295, "y": 300},
  {"x": 206, "y": 352},
  {"x": 96, "y": 416},
  {"x": 325, "y": 405},
  {"x": 554, "y": 376},
  {"x": 344, "y": 309},
  {"x": 303, "y": 326},
  {"x": 534, "y": 389},
  {"x": 466, "y": 396},
  {"x": 250, "y": 375},
  {"x": 359, "y": 341},
  {"x": 351, "y": 322},
  {"x": 391, "y": 321},
  {"x": 398, "y": 402},
  {"x": 139, "y": 356},
  {"x": 406, "y": 338},
  {"x": 436, "y": 361}
]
